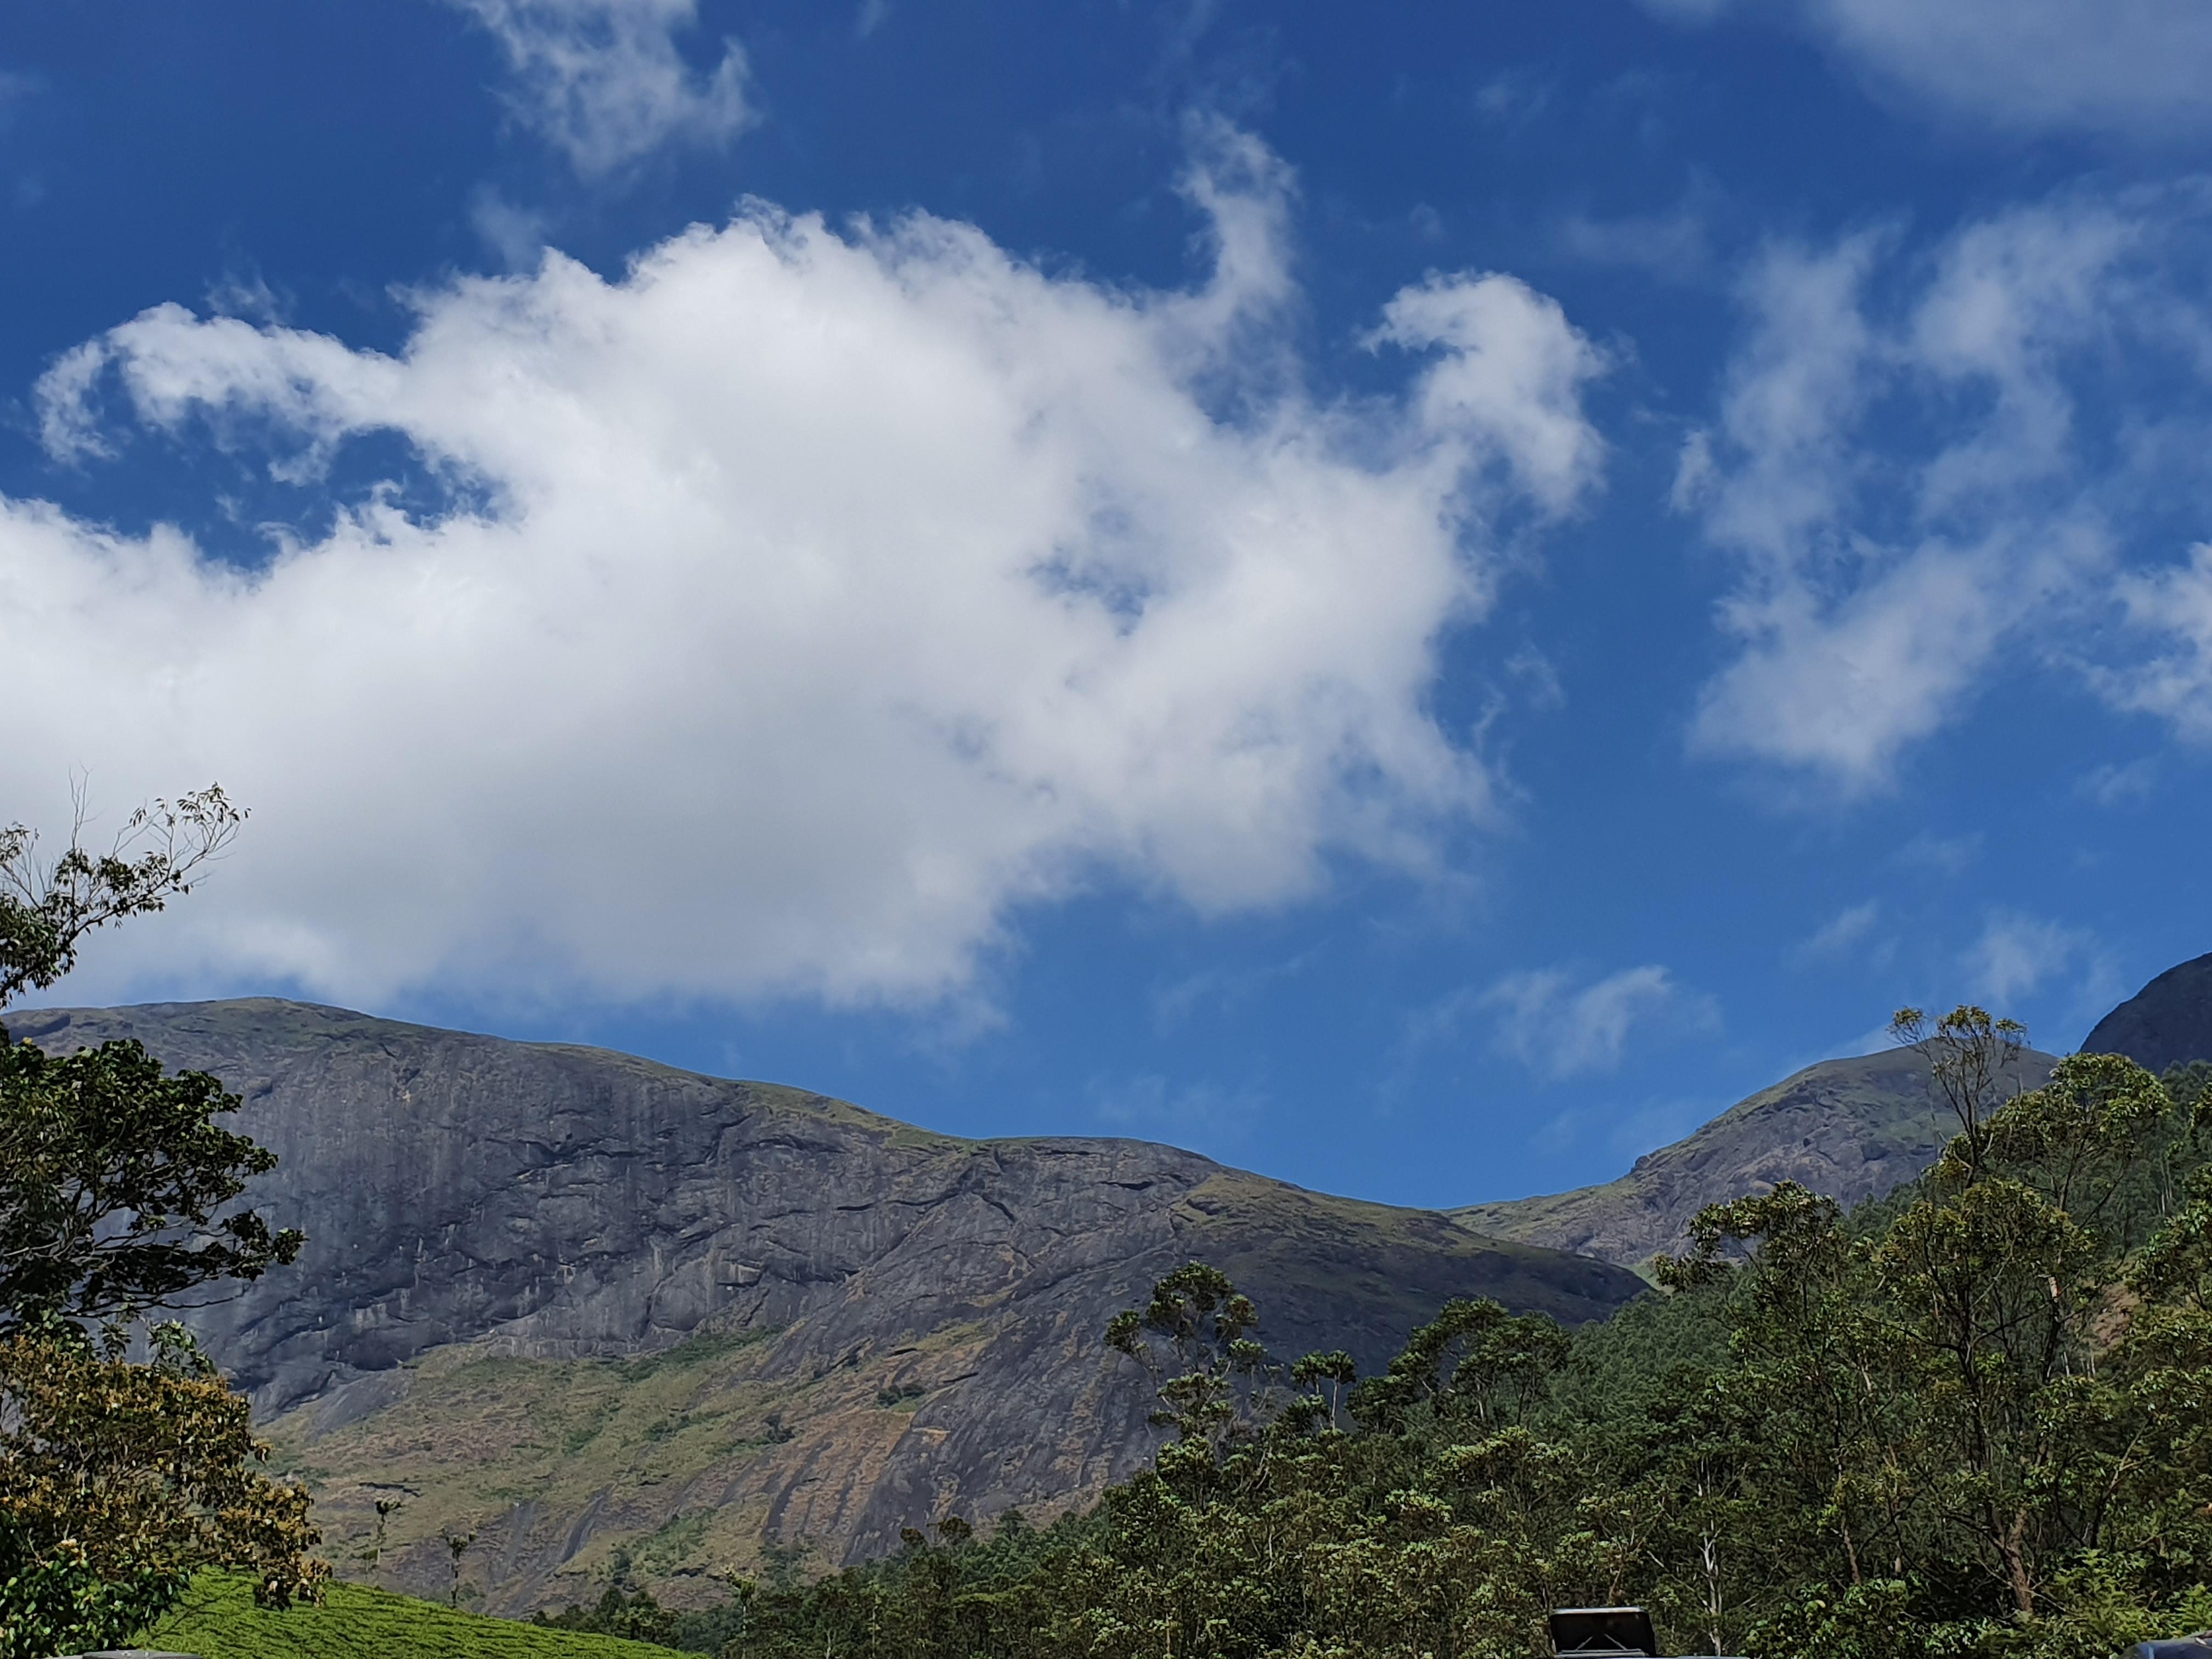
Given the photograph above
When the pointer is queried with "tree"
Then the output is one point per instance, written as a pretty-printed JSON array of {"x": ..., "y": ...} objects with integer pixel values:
[
  {"x": 119, "y": 1480},
  {"x": 1474, "y": 1363},
  {"x": 1955, "y": 1397},
  {"x": 457, "y": 1545},
  {"x": 385, "y": 1509},
  {"x": 1973, "y": 1419},
  {"x": 1195, "y": 1338},
  {"x": 46, "y": 909},
  {"x": 1974, "y": 1061},
  {"x": 112, "y": 1177}
]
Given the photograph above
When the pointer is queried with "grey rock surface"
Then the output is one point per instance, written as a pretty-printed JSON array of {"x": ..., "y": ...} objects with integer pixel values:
[
  {"x": 551, "y": 1203},
  {"x": 2167, "y": 1023},
  {"x": 1850, "y": 1129}
]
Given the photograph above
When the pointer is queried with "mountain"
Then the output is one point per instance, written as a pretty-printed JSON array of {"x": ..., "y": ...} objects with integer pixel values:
[
  {"x": 1851, "y": 1129},
  {"x": 2167, "y": 1023},
  {"x": 579, "y": 1303}
]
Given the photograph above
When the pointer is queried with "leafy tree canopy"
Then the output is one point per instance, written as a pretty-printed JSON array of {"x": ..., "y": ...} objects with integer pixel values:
[
  {"x": 112, "y": 1177},
  {"x": 1974, "y": 1418}
]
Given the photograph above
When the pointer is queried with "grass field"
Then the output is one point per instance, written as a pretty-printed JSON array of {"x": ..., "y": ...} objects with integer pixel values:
[
  {"x": 217, "y": 1620},
  {"x": 675, "y": 1458}
]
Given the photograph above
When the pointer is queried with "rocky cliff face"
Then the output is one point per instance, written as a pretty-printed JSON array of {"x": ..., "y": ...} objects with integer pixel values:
[
  {"x": 580, "y": 1302},
  {"x": 2167, "y": 1023},
  {"x": 1851, "y": 1129}
]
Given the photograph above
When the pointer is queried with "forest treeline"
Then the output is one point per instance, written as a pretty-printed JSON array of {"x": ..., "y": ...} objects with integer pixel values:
[{"x": 1974, "y": 1418}]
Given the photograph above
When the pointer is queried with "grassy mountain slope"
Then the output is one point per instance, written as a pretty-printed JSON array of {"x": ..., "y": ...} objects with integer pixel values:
[{"x": 1852, "y": 1129}]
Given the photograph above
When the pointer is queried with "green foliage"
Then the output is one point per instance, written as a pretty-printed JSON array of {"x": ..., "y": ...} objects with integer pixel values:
[
  {"x": 116, "y": 1480},
  {"x": 112, "y": 1177},
  {"x": 119, "y": 1480},
  {"x": 217, "y": 1619},
  {"x": 45, "y": 910},
  {"x": 1974, "y": 1420},
  {"x": 1194, "y": 1339},
  {"x": 1974, "y": 1061},
  {"x": 60, "y": 1598},
  {"x": 637, "y": 1617},
  {"x": 2188, "y": 1082}
]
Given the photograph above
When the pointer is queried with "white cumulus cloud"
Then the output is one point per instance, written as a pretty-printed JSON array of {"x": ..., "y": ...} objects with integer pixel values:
[
  {"x": 602, "y": 81},
  {"x": 815, "y": 600}
]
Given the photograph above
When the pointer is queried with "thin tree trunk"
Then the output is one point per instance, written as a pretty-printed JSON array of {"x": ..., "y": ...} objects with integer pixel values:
[{"x": 2015, "y": 1560}]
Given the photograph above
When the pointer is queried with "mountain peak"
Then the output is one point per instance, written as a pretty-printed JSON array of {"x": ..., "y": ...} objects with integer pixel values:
[
  {"x": 2167, "y": 1023},
  {"x": 1851, "y": 1129}
]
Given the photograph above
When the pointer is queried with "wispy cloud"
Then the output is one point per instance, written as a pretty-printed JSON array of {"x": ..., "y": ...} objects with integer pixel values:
[
  {"x": 1945, "y": 855},
  {"x": 2133, "y": 67},
  {"x": 246, "y": 293},
  {"x": 1539, "y": 677},
  {"x": 2017, "y": 952},
  {"x": 516, "y": 234},
  {"x": 1841, "y": 933},
  {"x": 2019, "y": 955},
  {"x": 2173, "y": 605},
  {"x": 17, "y": 89},
  {"x": 1901, "y": 469},
  {"x": 604, "y": 83},
  {"x": 2119, "y": 784},
  {"x": 1675, "y": 245},
  {"x": 1152, "y": 1105},
  {"x": 1513, "y": 98},
  {"x": 1626, "y": 1132},
  {"x": 1222, "y": 989},
  {"x": 1559, "y": 1026}
]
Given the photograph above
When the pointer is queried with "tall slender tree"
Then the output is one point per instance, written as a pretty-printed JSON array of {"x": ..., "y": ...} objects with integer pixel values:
[{"x": 120, "y": 1478}]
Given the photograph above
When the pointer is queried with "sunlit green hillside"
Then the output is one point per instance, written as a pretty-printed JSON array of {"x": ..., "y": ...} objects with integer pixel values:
[{"x": 217, "y": 1620}]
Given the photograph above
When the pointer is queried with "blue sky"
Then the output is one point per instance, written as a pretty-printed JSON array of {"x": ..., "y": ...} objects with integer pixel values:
[{"x": 1417, "y": 598}]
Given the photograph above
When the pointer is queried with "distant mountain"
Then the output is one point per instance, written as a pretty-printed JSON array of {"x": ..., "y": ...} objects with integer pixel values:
[
  {"x": 2167, "y": 1023},
  {"x": 581, "y": 1303},
  {"x": 1851, "y": 1129}
]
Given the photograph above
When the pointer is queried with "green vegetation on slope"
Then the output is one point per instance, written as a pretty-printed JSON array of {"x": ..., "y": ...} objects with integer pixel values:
[
  {"x": 217, "y": 1620},
  {"x": 1967, "y": 1420},
  {"x": 651, "y": 1447},
  {"x": 663, "y": 1467}
]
